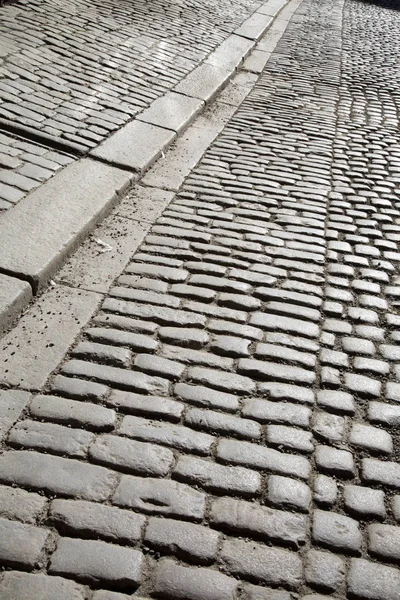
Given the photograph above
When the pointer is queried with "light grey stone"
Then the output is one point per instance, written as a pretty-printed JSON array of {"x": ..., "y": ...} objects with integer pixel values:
[
  {"x": 136, "y": 146},
  {"x": 15, "y": 295},
  {"x": 48, "y": 224},
  {"x": 204, "y": 82},
  {"x": 172, "y": 111}
]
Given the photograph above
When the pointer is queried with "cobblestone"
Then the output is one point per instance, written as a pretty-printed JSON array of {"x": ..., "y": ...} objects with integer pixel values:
[
  {"x": 94, "y": 562},
  {"x": 193, "y": 542},
  {"x": 19, "y": 585},
  {"x": 240, "y": 381},
  {"x": 93, "y": 520}
]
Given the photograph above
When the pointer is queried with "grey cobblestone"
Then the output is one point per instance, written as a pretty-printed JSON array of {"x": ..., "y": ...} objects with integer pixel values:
[
  {"x": 93, "y": 520},
  {"x": 160, "y": 496},
  {"x": 21, "y": 545},
  {"x": 175, "y": 581},
  {"x": 256, "y": 327},
  {"x": 185, "y": 539},
  {"x": 261, "y": 563},
  {"x": 92, "y": 561},
  {"x": 22, "y": 585}
]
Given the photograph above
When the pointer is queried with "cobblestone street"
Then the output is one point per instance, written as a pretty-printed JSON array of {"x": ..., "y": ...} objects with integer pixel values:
[{"x": 226, "y": 425}]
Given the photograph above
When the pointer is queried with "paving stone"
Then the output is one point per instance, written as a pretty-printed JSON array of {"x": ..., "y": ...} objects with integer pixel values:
[
  {"x": 154, "y": 406},
  {"x": 61, "y": 476},
  {"x": 248, "y": 518},
  {"x": 324, "y": 570},
  {"x": 136, "y": 341},
  {"x": 131, "y": 456},
  {"x": 21, "y": 505},
  {"x": 277, "y": 412},
  {"x": 286, "y": 391},
  {"x": 371, "y": 438},
  {"x": 160, "y": 496},
  {"x": 266, "y": 564},
  {"x": 286, "y": 324},
  {"x": 267, "y": 370},
  {"x": 23, "y": 585},
  {"x": 373, "y": 581},
  {"x": 71, "y": 412},
  {"x": 384, "y": 473},
  {"x": 175, "y": 436},
  {"x": 203, "y": 396},
  {"x": 384, "y": 541},
  {"x": 253, "y": 455},
  {"x": 159, "y": 366},
  {"x": 196, "y": 357},
  {"x": 228, "y": 382},
  {"x": 217, "y": 422},
  {"x": 94, "y": 562},
  {"x": 255, "y": 592},
  {"x": 184, "y": 539},
  {"x": 216, "y": 477},
  {"x": 364, "y": 386},
  {"x": 175, "y": 581},
  {"x": 364, "y": 502},
  {"x": 288, "y": 493},
  {"x": 336, "y": 401},
  {"x": 335, "y": 462},
  {"x": 21, "y": 545},
  {"x": 190, "y": 338},
  {"x": 131, "y": 380},
  {"x": 335, "y": 531},
  {"x": 94, "y": 520},
  {"x": 289, "y": 437},
  {"x": 79, "y": 388},
  {"x": 329, "y": 427},
  {"x": 51, "y": 438}
]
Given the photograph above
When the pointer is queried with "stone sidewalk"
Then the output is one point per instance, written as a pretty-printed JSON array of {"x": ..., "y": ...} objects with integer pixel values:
[{"x": 225, "y": 423}]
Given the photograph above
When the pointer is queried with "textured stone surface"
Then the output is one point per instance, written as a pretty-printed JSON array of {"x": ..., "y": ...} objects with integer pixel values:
[{"x": 244, "y": 364}]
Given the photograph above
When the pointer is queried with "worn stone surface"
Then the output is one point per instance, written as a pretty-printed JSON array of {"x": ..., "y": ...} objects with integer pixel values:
[
  {"x": 15, "y": 295},
  {"x": 240, "y": 379}
]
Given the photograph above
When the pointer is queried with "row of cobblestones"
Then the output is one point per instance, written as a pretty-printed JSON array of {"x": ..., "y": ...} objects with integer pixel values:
[
  {"x": 226, "y": 427},
  {"x": 78, "y": 71},
  {"x": 24, "y": 166}
]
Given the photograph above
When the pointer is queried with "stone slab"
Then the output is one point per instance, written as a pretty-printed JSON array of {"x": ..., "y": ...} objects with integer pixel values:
[
  {"x": 172, "y": 111},
  {"x": 254, "y": 27},
  {"x": 204, "y": 82},
  {"x": 231, "y": 53},
  {"x": 47, "y": 225},
  {"x": 15, "y": 295},
  {"x": 136, "y": 146},
  {"x": 35, "y": 347}
]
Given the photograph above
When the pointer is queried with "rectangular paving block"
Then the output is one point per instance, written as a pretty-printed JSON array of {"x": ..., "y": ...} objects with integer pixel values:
[
  {"x": 172, "y": 111},
  {"x": 254, "y": 26},
  {"x": 136, "y": 146},
  {"x": 231, "y": 53},
  {"x": 204, "y": 82},
  {"x": 15, "y": 295},
  {"x": 48, "y": 224}
]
